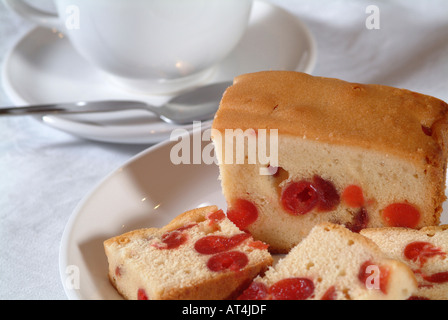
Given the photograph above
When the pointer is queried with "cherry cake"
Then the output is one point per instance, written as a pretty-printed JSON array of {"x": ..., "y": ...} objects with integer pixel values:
[
  {"x": 200, "y": 255},
  {"x": 351, "y": 154},
  {"x": 425, "y": 251},
  {"x": 333, "y": 263}
]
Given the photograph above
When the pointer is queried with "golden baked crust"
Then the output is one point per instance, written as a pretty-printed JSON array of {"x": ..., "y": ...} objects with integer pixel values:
[{"x": 372, "y": 116}]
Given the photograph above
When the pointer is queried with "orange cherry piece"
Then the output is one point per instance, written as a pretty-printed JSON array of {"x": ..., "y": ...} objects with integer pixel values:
[
  {"x": 401, "y": 215},
  {"x": 353, "y": 196}
]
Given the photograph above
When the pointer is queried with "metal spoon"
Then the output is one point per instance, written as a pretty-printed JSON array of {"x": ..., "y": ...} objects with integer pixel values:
[{"x": 197, "y": 105}]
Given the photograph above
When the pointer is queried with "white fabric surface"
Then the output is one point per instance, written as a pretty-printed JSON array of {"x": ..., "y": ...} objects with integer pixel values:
[{"x": 44, "y": 173}]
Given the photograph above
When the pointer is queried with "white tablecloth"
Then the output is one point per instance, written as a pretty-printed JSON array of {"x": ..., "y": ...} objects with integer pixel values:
[{"x": 44, "y": 173}]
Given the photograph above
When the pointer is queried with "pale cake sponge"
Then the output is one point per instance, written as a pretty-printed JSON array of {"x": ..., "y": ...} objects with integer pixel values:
[
  {"x": 352, "y": 154},
  {"x": 424, "y": 251},
  {"x": 200, "y": 255},
  {"x": 333, "y": 263}
]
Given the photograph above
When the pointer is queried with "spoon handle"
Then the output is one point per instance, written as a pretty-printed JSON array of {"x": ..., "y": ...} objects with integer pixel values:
[{"x": 74, "y": 107}]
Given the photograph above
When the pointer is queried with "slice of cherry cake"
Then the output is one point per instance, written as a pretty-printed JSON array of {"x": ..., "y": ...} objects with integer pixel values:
[
  {"x": 200, "y": 255},
  {"x": 333, "y": 263},
  {"x": 425, "y": 251},
  {"x": 352, "y": 154}
]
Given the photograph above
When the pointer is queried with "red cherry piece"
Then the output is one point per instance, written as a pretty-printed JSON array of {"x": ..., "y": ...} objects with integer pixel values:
[
  {"x": 360, "y": 221},
  {"x": 256, "y": 291},
  {"x": 371, "y": 274},
  {"x": 299, "y": 198},
  {"x": 230, "y": 260},
  {"x": 353, "y": 196},
  {"x": 216, "y": 216},
  {"x": 188, "y": 226},
  {"x": 401, "y": 215},
  {"x": 141, "y": 294},
  {"x": 172, "y": 240},
  {"x": 419, "y": 252},
  {"x": 427, "y": 130},
  {"x": 242, "y": 213},
  {"x": 440, "y": 277},
  {"x": 330, "y": 294},
  {"x": 292, "y": 289},
  {"x": 258, "y": 245},
  {"x": 217, "y": 244},
  {"x": 328, "y": 195}
]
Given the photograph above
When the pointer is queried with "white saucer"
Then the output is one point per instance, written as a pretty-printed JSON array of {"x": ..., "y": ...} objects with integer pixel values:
[{"x": 44, "y": 68}]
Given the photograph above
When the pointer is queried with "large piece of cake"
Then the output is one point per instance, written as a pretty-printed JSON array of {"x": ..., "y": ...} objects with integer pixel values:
[{"x": 351, "y": 154}]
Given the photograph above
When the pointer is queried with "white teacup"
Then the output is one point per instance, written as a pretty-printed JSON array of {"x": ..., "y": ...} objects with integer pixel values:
[{"x": 153, "y": 46}]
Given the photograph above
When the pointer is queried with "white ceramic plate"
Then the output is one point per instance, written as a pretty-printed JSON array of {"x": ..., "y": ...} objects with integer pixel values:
[
  {"x": 44, "y": 68},
  {"x": 147, "y": 191}
]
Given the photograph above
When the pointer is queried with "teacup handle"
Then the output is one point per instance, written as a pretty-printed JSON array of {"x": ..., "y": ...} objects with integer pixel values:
[{"x": 42, "y": 18}]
